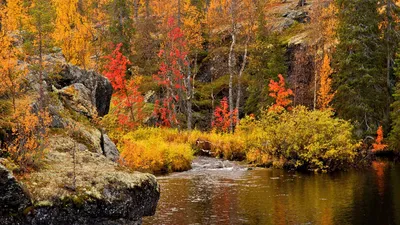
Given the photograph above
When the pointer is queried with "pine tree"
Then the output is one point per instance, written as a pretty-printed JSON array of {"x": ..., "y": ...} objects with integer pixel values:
[
  {"x": 266, "y": 62},
  {"x": 121, "y": 27},
  {"x": 394, "y": 135},
  {"x": 360, "y": 79}
]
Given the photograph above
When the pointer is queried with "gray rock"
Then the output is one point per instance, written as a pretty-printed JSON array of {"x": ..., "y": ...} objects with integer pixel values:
[
  {"x": 99, "y": 86},
  {"x": 299, "y": 16},
  {"x": 284, "y": 24},
  {"x": 109, "y": 149},
  {"x": 105, "y": 193},
  {"x": 78, "y": 97},
  {"x": 13, "y": 198}
]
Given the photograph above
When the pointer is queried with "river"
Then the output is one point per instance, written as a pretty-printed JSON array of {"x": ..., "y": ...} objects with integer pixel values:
[{"x": 222, "y": 192}]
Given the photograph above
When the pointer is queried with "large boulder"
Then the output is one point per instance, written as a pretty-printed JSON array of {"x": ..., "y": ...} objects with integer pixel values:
[
  {"x": 13, "y": 198},
  {"x": 78, "y": 97},
  {"x": 99, "y": 87},
  {"x": 78, "y": 187},
  {"x": 104, "y": 192}
]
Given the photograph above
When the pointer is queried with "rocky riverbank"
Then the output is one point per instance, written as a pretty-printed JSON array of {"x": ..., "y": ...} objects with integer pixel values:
[{"x": 79, "y": 180}]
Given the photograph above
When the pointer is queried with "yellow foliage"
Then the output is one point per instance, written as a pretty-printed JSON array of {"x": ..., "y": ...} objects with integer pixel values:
[
  {"x": 11, "y": 73},
  {"x": 192, "y": 21},
  {"x": 155, "y": 150},
  {"x": 13, "y": 15},
  {"x": 301, "y": 138},
  {"x": 73, "y": 33}
]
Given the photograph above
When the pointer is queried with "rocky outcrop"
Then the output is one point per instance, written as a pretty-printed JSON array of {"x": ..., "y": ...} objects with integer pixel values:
[
  {"x": 297, "y": 15},
  {"x": 104, "y": 192},
  {"x": 80, "y": 181},
  {"x": 78, "y": 97},
  {"x": 100, "y": 89},
  {"x": 13, "y": 198},
  {"x": 109, "y": 148}
]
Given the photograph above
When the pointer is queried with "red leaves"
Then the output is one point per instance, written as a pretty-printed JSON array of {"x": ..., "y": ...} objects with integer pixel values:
[
  {"x": 170, "y": 75},
  {"x": 127, "y": 98},
  {"x": 116, "y": 68},
  {"x": 222, "y": 116},
  {"x": 280, "y": 94}
]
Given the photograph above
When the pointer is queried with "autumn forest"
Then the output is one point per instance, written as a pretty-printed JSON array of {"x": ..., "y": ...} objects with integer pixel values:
[
  {"x": 189, "y": 73},
  {"x": 92, "y": 90}
]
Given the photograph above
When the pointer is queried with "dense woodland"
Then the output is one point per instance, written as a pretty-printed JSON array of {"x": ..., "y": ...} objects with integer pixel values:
[{"x": 306, "y": 84}]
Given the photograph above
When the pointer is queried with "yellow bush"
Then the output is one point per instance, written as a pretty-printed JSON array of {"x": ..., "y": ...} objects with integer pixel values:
[{"x": 156, "y": 150}]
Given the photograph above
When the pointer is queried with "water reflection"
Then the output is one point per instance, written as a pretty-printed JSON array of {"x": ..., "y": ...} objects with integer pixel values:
[{"x": 268, "y": 196}]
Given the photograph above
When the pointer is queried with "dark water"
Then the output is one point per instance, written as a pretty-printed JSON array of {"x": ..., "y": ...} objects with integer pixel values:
[{"x": 221, "y": 193}]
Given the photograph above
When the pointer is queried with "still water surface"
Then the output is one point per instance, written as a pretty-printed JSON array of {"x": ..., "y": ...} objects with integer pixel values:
[{"x": 217, "y": 192}]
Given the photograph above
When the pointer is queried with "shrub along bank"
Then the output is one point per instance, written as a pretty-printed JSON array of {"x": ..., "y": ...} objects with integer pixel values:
[{"x": 299, "y": 139}]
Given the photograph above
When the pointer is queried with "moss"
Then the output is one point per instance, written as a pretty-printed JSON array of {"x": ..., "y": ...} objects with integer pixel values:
[
  {"x": 43, "y": 203},
  {"x": 27, "y": 210},
  {"x": 5, "y": 107},
  {"x": 296, "y": 29}
]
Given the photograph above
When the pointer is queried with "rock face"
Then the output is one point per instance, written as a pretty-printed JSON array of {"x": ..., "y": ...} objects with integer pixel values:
[
  {"x": 100, "y": 89},
  {"x": 299, "y": 16},
  {"x": 109, "y": 148},
  {"x": 13, "y": 198},
  {"x": 78, "y": 97}
]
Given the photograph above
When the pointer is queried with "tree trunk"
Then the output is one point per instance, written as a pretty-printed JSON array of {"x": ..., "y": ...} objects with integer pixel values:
[
  {"x": 189, "y": 98},
  {"x": 41, "y": 91},
  {"x": 230, "y": 61},
  {"x": 230, "y": 64},
  {"x": 179, "y": 13},
  {"x": 136, "y": 9},
  {"x": 302, "y": 3},
  {"x": 147, "y": 8},
  {"x": 239, "y": 93}
]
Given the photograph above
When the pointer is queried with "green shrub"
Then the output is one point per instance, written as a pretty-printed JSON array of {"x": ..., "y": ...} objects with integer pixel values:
[{"x": 301, "y": 138}]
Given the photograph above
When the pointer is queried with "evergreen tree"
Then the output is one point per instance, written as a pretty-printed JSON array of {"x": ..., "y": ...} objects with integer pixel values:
[
  {"x": 266, "y": 62},
  {"x": 360, "y": 65},
  {"x": 121, "y": 24},
  {"x": 394, "y": 135}
]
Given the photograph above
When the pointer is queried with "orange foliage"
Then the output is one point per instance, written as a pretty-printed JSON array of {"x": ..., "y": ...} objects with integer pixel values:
[
  {"x": 281, "y": 95},
  {"x": 378, "y": 145},
  {"x": 73, "y": 33},
  {"x": 30, "y": 131},
  {"x": 10, "y": 72},
  {"x": 325, "y": 94},
  {"x": 222, "y": 116}
]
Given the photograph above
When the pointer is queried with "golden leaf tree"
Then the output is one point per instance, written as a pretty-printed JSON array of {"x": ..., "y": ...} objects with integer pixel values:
[
  {"x": 13, "y": 15},
  {"x": 30, "y": 131},
  {"x": 73, "y": 33},
  {"x": 11, "y": 73},
  {"x": 325, "y": 94}
]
